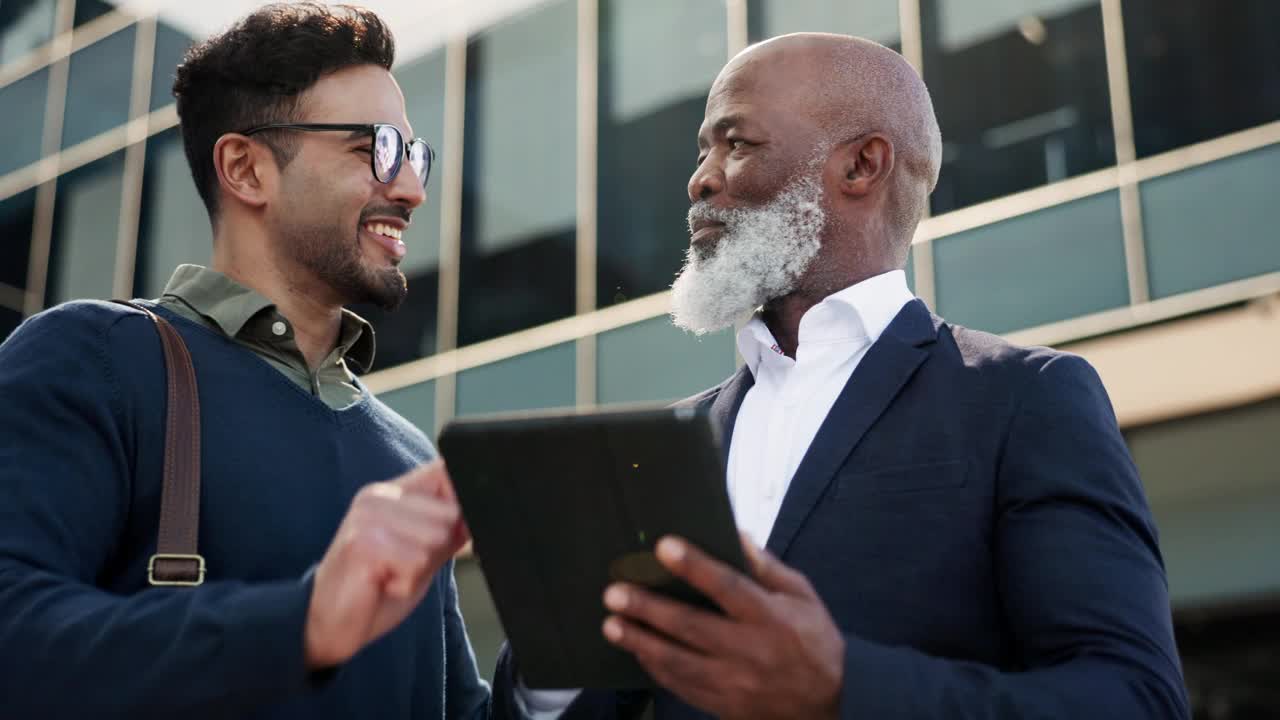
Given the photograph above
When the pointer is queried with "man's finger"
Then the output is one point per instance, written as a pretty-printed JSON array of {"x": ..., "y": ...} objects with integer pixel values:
[
  {"x": 688, "y": 625},
  {"x": 737, "y": 594},
  {"x": 772, "y": 573},
  {"x": 430, "y": 478},
  {"x": 398, "y": 565},
  {"x": 685, "y": 672}
]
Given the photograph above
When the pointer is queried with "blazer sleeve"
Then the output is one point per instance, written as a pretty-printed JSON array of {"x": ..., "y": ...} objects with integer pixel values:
[
  {"x": 71, "y": 650},
  {"x": 1080, "y": 577}
]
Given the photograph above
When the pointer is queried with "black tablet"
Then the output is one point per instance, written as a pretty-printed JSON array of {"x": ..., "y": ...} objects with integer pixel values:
[{"x": 560, "y": 504}]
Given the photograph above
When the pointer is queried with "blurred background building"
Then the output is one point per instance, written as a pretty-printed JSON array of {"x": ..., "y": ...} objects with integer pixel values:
[{"x": 1109, "y": 186}]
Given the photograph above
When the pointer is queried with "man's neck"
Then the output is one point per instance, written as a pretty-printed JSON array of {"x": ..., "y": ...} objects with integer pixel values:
[
  {"x": 315, "y": 317},
  {"x": 783, "y": 314}
]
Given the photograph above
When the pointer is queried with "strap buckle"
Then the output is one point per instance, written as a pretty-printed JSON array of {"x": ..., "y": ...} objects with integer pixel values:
[{"x": 199, "y": 569}]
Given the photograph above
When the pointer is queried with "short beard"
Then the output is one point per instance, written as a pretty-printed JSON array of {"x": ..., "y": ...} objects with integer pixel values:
[
  {"x": 339, "y": 266},
  {"x": 760, "y": 256}
]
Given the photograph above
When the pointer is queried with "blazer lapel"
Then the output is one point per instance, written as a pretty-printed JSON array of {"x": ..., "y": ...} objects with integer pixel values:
[
  {"x": 879, "y": 376},
  {"x": 724, "y": 409}
]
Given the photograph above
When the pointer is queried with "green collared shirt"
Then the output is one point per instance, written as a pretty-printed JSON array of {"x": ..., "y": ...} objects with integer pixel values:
[{"x": 225, "y": 306}]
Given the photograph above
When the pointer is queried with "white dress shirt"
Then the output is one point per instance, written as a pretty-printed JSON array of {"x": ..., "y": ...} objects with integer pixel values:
[
  {"x": 782, "y": 412},
  {"x": 790, "y": 399}
]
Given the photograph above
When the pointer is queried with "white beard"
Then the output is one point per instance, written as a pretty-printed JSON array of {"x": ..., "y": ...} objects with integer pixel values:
[{"x": 760, "y": 255}]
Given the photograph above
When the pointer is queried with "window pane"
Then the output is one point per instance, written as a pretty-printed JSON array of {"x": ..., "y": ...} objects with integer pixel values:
[
  {"x": 1047, "y": 266},
  {"x": 539, "y": 379},
  {"x": 98, "y": 87},
  {"x": 9, "y": 321},
  {"x": 173, "y": 227},
  {"x": 15, "y": 237},
  {"x": 410, "y": 332},
  {"x": 417, "y": 403},
  {"x": 1020, "y": 88},
  {"x": 1183, "y": 217},
  {"x": 24, "y": 26},
  {"x": 171, "y": 45},
  {"x": 654, "y": 360},
  {"x": 87, "y": 10},
  {"x": 518, "y": 205},
  {"x": 1199, "y": 69},
  {"x": 650, "y": 107},
  {"x": 872, "y": 19},
  {"x": 23, "y": 132},
  {"x": 85, "y": 227},
  {"x": 1210, "y": 479}
]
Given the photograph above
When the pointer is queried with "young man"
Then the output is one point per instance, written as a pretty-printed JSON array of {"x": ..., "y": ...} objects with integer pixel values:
[{"x": 328, "y": 533}]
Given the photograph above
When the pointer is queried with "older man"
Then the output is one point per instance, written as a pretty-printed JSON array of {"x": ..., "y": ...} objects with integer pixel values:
[{"x": 953, "y": 525}]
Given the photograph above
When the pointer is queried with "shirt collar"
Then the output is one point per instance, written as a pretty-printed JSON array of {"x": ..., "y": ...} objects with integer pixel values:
[
  {"x": 232, "y": 306},
  {"x": 859, "y": 312}
]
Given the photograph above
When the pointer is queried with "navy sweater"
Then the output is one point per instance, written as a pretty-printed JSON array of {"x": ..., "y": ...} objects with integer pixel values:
[{"x": 82, "y": 635}]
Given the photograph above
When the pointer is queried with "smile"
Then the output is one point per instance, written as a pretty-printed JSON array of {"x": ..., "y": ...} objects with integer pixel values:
[{"x": 384, "y": 229}]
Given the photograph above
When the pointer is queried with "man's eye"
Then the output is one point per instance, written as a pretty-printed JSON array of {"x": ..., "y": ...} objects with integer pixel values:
[
  {"x": 700, "y": 159},
  {"x": 736, "y": 143}
]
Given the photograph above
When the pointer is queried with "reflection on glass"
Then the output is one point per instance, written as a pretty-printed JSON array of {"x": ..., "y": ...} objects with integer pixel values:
[
  {"x": 171, "y": 45},
  {"x": 24, "y": 26},
  {"x": 16, "y": 213},
  {"x": 85, "y": 226},
  {"x": 657, "y": 61},
  {"x": 87, "y": 10},
  {"x": 23, "y": 131},
  {"x": 173, "y": 227},
  {"x": 872, "y": 19},
  {"x": 519, "y": 174},
  {"x": 1020, "y": 89},
  {"x": 410, "y": 332},
  {"x": 98, "y": 87},
  {"x": 1198, "y": 70}
]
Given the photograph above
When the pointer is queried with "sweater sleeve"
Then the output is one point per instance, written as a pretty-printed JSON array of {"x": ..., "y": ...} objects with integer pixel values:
[
  {"x": 72, "y": 650},
  {"x": 1081, "y": 579},
  {"x": 467, "y": 695}
]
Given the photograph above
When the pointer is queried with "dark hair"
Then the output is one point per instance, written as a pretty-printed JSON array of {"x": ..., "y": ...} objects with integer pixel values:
[{"x": 256, "y": 71}]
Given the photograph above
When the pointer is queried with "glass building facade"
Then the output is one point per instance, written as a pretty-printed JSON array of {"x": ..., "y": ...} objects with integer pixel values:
[{"x": 1109, "y": 170}]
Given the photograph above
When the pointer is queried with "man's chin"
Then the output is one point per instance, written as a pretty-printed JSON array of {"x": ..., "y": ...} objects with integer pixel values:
[
  {"x": 386, "y": 288},
  {"x": 700, "y": 309}
]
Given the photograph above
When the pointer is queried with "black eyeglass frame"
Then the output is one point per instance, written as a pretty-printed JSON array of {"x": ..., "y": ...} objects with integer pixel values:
[{"x": 372, "y": 129}]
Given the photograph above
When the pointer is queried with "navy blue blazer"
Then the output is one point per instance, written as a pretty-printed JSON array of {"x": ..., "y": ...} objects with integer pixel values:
[{"x": 971, "y": 517}]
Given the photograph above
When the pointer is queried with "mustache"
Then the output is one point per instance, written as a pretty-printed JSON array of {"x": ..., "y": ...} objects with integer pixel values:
[
  {"x": 395, "y": 211},
  {"x": 705, "y": 211}
]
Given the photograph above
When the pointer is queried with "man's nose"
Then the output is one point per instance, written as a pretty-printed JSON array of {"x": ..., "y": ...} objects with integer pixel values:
[
  {"x": 706, "y": 181},
  {"x": 406, "y": 189}
]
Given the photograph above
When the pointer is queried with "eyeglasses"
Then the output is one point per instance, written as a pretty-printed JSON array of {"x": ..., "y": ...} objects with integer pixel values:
[{"x": 389, "y": 149}]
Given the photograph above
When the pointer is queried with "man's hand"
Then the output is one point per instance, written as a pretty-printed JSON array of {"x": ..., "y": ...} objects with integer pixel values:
[
  {"x": 394, "y": 539},
  {"x": 775, "y": 654}
]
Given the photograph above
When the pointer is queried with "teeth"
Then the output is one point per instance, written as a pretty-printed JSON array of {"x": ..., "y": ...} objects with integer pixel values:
[{"x": 383, "y": 229}]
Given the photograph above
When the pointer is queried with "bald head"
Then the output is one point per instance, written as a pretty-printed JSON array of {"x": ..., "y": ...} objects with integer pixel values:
[{"x": 847, "y": 88}]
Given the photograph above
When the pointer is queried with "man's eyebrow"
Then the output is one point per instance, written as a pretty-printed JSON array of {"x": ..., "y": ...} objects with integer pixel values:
[{"x": 728, "y": 122}]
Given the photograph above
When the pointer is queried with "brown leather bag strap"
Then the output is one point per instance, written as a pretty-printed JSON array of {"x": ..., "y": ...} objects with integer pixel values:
[{"x": 177, "y": 561}]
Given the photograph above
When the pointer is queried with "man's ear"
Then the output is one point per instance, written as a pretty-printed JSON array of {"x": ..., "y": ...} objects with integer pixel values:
[
  {"x": 246, "y": 169},
  {"x": 863, "y": 164}
]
